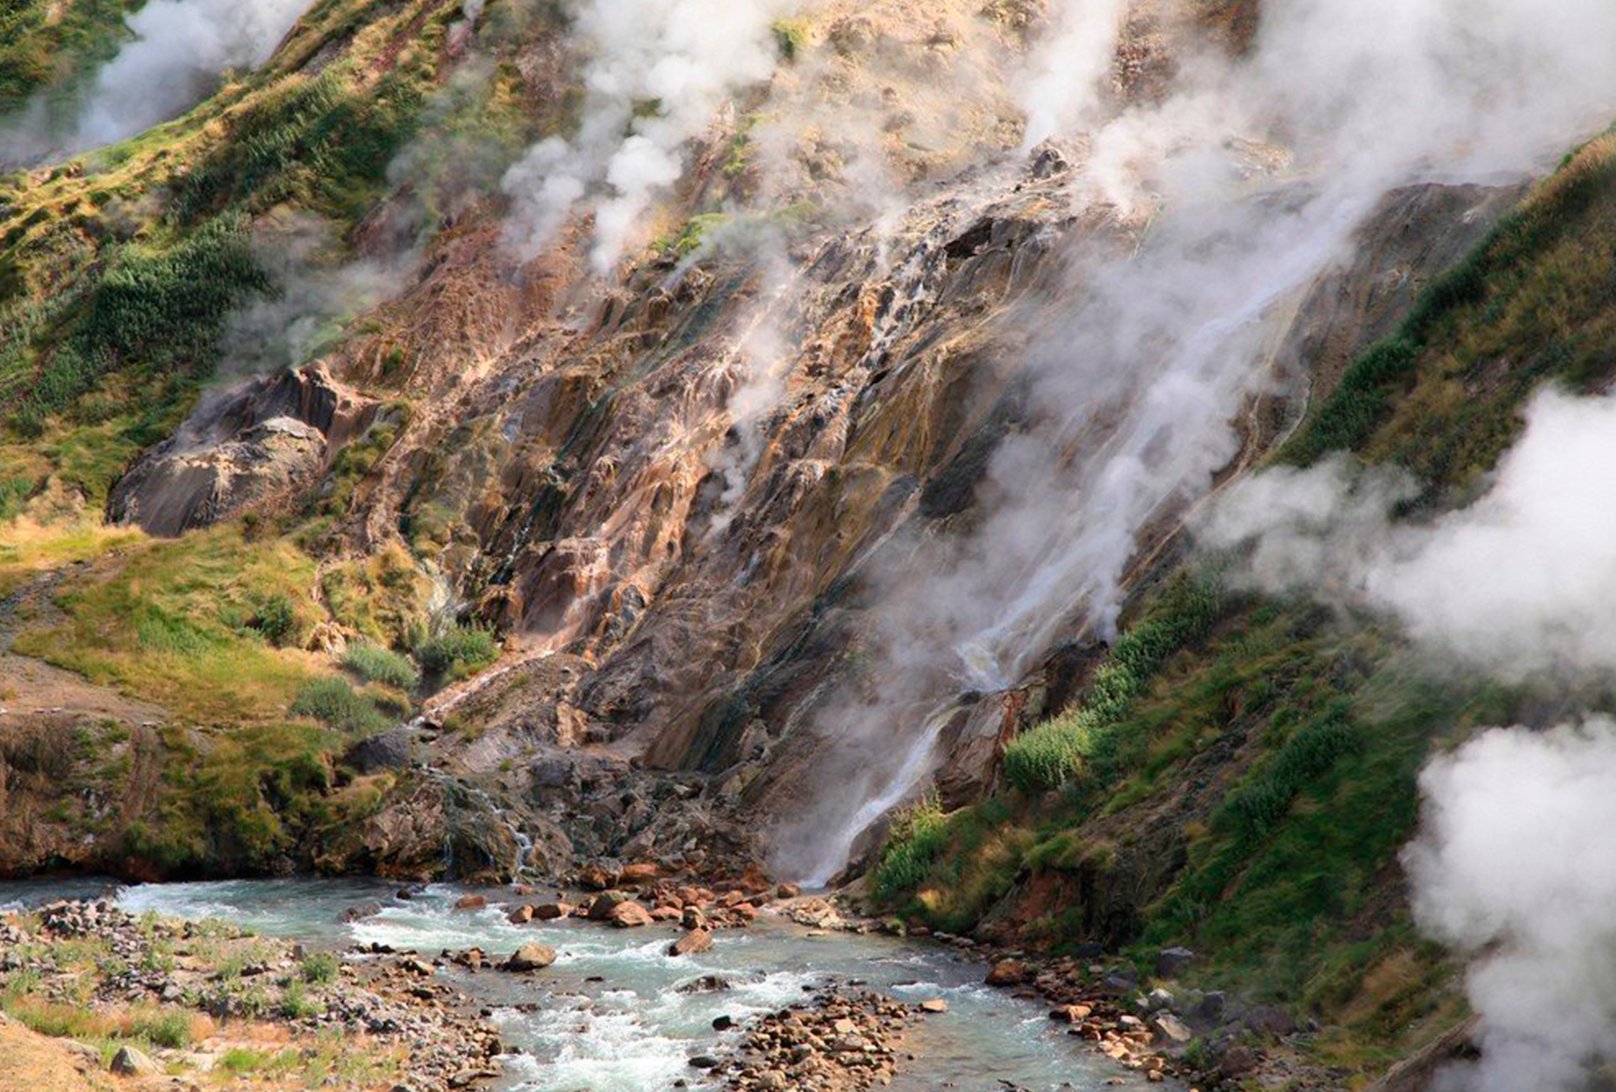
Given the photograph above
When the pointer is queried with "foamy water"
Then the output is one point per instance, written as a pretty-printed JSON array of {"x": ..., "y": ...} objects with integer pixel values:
[{"x": 634, "y": 1029}]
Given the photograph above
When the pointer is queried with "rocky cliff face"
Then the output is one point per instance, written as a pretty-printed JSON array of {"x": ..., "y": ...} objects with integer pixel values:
[{"x": 682, "y": 495}]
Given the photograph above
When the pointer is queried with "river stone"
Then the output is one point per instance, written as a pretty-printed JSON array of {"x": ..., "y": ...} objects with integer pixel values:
[
  {"x": 531, "y": 957},
  {"x": 934, "y": 1004},
  {"x": 470, "y": 902},
  {"x": 1170, "y": 1029},
  {"x": 550, "y": 911},
  {"x": 697, "y": 940},
  {"x": 521, "y": 915},
  {"x": 129, "y": 1062},
  {"x": 1170, "y": 962},
  {"x": 629, "y": 915},
  {"x": 1007, "y": 972},
  {"x": 601, "y": 907}
]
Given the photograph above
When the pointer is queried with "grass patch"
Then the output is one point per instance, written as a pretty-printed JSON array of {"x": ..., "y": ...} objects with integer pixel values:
[
  {"x": 458, "y": 651},
  {"x": 381, "y": 665},
  {"x": 169, "y": 620},
  {"x": 1057, "y": 750},
  {"x": 335, "y": 702}
]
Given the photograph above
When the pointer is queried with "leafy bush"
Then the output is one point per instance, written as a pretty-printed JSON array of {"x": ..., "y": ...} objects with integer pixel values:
[
  {"x": 338, "y": 704},
  {"x": 319, "y": 968},
  {"x": 1056, "y": 750},
  {"x": 459, "y": 651},
  {"x": 381, "y": 665}
]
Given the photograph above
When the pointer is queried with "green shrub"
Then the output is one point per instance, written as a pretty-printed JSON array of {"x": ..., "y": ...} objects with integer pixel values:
[
  {"x": 1056, "y": 750},
  {"x": 380, "y": 665},
  {"x": 275, "y": 619},
  {"x": 319, "y": 968},
  {"x": 338, "y": 704},
  {"x": 296, "y": 1004},
  {"x": 164, "y": 1029},
  {"x": 458, "y": 651}
]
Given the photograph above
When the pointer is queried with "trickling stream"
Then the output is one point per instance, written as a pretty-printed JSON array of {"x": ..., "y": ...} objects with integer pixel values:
[{"x": 634, "y": 1030}]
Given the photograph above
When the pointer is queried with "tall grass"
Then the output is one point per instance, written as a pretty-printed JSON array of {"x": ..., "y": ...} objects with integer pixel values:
[
  {"x": 380, "y": 665},
  {"x": 1056, "y": 751}
]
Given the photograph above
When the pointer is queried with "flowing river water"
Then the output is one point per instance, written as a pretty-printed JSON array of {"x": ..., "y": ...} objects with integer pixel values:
[{"x": 609, "y": 1015}]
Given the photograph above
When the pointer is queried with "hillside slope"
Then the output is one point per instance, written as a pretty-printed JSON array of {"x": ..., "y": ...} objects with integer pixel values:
[{"x": 789, "y": 480}]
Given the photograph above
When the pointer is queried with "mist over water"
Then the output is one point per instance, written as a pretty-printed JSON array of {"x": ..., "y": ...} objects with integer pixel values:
[{"x": 1253, "y": 175}]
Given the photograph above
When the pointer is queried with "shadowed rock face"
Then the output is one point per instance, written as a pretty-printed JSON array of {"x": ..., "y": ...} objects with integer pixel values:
[{"x": 244, "y": 446}]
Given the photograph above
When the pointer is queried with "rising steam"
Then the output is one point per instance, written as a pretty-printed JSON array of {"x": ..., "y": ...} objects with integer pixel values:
[
  {"x": 1255, "y": 174},
  {"x": 658, "y": 72},
  {"x": 1517, "y": 584},
  {"x": 177, "y": 52},
  {"x": 1508, "y": 867}
]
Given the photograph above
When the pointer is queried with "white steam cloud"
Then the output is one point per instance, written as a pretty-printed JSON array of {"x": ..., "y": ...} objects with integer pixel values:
[
  {"x": 1254, "y": 174},
  {"x": 657, "y": 75},
  {"x": 1509, "y": 866},
  {"x": 1518, "y": 583},
  {"x": 1067, "y": 67},
  {"x": 1514, "y": 862},
  {"x": 178, "y": 52}
]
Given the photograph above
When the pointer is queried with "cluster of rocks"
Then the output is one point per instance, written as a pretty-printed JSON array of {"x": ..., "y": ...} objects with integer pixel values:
[
  {"x": 634, "y": 897},
  {"x": 181, "y": 967},
  {"x": 839, "y": 1041},
  {"x": 1144, "y": 1026}
]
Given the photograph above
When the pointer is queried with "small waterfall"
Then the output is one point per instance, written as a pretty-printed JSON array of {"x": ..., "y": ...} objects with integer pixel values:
[{"x": 919, "y": 761}]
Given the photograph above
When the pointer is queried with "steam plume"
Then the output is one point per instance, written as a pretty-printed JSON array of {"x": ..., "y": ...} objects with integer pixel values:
[
  {"x": 1508, "y": 866},
  {"x": 1518, "y": 583},
  {"x": 658, "y": 73},
  {"x": 178, "y": 51},
  {"x": 1140, "y": 383}
]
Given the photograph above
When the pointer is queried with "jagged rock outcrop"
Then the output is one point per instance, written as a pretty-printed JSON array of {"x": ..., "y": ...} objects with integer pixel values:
[{"x": 247, "y": 445}]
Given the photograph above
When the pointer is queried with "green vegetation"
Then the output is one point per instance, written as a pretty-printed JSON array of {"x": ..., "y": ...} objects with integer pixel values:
[
  {"x": 1531, "y": 303},
  {"x": 458, "y": 651},
  {"x": 319, "y": 968},
  {"x": 53, "y": 45},
  {"x": 339, "y": 705},
  {"x": 323, "y": 143},
  {"x": 173, "y": 621},
  {"x": 790, "y": 38},
  {"x": 380, "y": 665},
  {"x": 157, "y": 309},
  {"x": 1058, "y": 750}
]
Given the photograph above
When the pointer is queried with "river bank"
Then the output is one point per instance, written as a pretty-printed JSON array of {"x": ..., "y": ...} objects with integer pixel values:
[{"x": 615, "y": 1010}]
